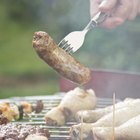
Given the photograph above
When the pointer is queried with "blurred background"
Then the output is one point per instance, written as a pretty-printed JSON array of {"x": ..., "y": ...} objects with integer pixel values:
[{"x": 23, "y": 73}]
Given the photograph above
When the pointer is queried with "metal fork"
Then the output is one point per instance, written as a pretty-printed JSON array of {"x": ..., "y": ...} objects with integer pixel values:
[{"x": 74, "y": 40}]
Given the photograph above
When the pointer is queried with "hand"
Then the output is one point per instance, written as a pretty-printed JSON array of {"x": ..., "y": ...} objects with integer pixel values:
[{"x": 119, "y": 10}]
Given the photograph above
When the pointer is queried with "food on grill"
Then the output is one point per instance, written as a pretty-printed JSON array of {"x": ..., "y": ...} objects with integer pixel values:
[
  {"x": 10, "y": 112},
  {"x": 38, "y": 107},
  {"x": 36, "y": 137},
  {"x": 73, "y": 101},
  {"x": 90, "y": 116},
  {"x": 60, "y": 60},
  {"x": 55, "y": 116},
  {"x": 3, "y": 119},
  {"x": 28, "y": 107},
  {"x": 121, "y": 116},
  {"x": 22, "y": 132},
  {"x": 126, "y": 131}
]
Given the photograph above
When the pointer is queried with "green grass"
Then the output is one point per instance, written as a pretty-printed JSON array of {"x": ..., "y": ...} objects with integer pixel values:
[
  {"x": 106, "y": 49},
  {"x": 43, "y": 88},
  {"x": 18, "y": 59}
]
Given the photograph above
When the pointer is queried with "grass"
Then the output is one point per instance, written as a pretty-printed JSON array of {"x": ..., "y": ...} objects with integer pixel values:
[
  {"x": 116, "y": 49},
  {"x": 22, "y": 89},
  {"x": 18, "y": 59}
]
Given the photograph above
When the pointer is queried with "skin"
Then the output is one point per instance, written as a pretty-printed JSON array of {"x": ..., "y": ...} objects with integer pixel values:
[{"x": 119, "y": 10}]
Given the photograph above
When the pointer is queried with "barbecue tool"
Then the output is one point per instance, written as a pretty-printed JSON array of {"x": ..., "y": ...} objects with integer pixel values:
[{"x": 74, "y": 40}]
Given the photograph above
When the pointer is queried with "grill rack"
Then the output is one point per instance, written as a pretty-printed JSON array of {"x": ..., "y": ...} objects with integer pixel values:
[{"x": 56, "y": 132}]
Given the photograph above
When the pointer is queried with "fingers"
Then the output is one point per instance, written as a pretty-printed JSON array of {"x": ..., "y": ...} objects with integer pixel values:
[
  {"x": 135, "y": 10},
  {"x": 119, "y": 14},
  {"x": 119, "y": 10},
  {"x": 124, "y": 9},
  {"x": 112, "y": 22}
]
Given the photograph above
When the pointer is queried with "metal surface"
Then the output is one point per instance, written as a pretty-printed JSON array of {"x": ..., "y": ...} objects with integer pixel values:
[
  {"x": 74, "y": 40},
  {"x": 57, "y": 132},
  {"x": 106, "y": 82}
]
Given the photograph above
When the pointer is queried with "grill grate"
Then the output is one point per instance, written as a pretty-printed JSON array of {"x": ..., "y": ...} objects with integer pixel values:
[{"x": 57, "y": 132}]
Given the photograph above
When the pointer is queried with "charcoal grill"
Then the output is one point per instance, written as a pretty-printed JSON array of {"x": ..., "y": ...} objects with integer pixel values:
[{"x": 57, "y": 132}]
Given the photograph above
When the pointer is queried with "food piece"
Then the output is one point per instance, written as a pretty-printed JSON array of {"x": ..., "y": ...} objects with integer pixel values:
[
  {"x": 73, "y": 101},
  {"x": 106, "y": 121},
  {"x": 127, "y": 131},
  {"x": 16, "y": 111},
  {"x": 36, "y": 137},
  {"x": 60, "y": 60},
  {"x": 55, "y": 116},
  {"x": 38, "y": 107},
  {"x": 9, "y": 112},
  {"x": 27, "y": 107},
  {"x": 3, "y": 119},
  {"x": 21, "y": 113},
  {"x": 91, "y": 116},
  {"x": 22, "y": 132}
]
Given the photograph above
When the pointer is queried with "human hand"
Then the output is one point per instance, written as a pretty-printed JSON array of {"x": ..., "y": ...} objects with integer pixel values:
[{"x": 119, "y": 10}]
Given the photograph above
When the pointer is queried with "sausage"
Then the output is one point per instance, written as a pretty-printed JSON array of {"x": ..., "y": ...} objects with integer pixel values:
[{"x": 60, "y": 60}]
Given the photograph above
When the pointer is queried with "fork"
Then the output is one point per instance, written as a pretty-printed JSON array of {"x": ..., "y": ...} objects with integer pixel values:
[{"x": 74, "y": 40}]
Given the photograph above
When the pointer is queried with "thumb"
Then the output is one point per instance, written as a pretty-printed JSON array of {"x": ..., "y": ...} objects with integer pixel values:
[{"x": 107, "y": 5}]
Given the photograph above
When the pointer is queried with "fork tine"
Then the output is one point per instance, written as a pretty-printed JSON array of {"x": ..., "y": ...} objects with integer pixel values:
[
  {"x": 62, "y": 43},
  {"x": 69, "y": 49},
  {"x": 65, "y": 46}
]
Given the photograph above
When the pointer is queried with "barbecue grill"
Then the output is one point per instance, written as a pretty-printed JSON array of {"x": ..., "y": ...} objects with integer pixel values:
[{"x": 57, "y": 132}]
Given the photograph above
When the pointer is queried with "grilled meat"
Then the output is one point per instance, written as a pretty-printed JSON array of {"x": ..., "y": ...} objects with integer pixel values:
[
  {"x": 73, "y": 101},
  {"x": 91, "y": 116},
  {"x": 60, "y": 60},
  {"x": 22, "y": 132},
  {"x": 127, "y": 131},
  {"x": 122, "y": 115}
]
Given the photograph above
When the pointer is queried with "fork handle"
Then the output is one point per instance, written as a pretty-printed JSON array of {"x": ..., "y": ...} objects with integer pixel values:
[
  {"x": 96, "y": 20},
  {"x": 99, "y": 18}
]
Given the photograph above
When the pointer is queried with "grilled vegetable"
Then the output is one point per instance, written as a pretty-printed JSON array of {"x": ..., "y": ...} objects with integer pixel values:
[
  {"x": 38, "y": 107},
  {"x": 21, "y": 112},
  {"x": 3, "y": 119},
  {"x": 9, "y": 112},
  {"x": 18, "y": 110}
]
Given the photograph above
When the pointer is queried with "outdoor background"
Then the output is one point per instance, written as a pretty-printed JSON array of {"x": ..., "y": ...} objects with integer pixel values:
[{"x": 23, "y": 73}]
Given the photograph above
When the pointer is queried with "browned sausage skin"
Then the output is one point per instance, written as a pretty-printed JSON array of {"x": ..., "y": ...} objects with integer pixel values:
[{"x": 59, "y": 60}]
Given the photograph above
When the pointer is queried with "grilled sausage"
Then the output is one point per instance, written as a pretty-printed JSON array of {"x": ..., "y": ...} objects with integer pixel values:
[{"x": 60, "y": 60}]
